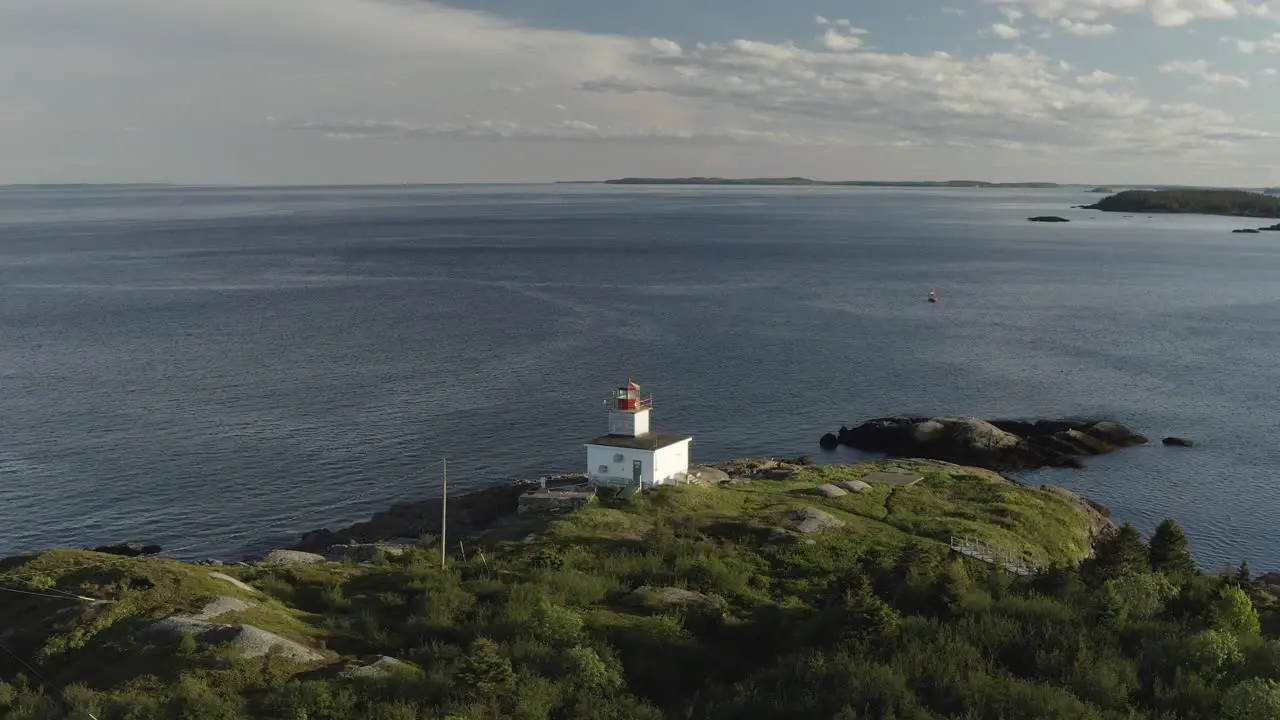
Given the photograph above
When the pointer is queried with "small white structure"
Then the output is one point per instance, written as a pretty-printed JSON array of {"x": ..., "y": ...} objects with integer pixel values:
[{"x": 631, "y": 453}]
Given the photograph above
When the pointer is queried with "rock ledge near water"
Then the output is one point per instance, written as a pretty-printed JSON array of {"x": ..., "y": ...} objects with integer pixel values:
[{"x": 996, "y": 444}]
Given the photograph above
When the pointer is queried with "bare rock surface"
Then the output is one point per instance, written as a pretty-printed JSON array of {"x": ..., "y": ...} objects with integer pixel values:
[
  {"x": 255, "y": 642},
  {"x": 381, "y": 667},
  {"x": 996, "y": 445},
  {"x": 286, "y": 558},
  {"x": 668, "y": 596},
  {"x": 221, "y": 606},
  {"x": 363, "y": 552},
  {"x": 252, "y": 642},
  {"x": 704, "y": 475},
  {"x": 809, "y": 521},
  {"x": 238, "y": 583},
  {"x": 854, "y": 486},
  {"x": 828, "y": 490}
]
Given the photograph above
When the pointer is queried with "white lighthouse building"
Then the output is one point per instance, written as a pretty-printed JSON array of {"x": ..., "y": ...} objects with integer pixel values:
[{"x": 631, "y": 454}]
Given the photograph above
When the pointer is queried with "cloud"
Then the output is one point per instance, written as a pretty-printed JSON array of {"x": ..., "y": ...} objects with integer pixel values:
[
  {"x": 1200, "y": 70},
  {"x": 841, "y": 35},
  {"x": 1271, "y": 72},
  {"x": 1008, "y": 32},
  {"x": 1097, "y": 78},
  {"x": 665, "y": 47},
  {"x": 1270, "y": 45},
  {"x": 1002, "y": 99},
  {"x": 1165, "y": 13},
  {"x": 384, "y": 90},
  {"x": 563, "y": 130},
  {"x": 1085, "y": 29},
  {"x": 836, "y": 41}
]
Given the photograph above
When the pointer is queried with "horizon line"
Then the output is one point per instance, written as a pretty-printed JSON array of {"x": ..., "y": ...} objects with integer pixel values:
[{"x": 653, "y": 180}]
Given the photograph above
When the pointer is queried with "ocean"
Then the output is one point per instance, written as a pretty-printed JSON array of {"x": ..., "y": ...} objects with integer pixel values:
[{"x": 221, "y": 369}]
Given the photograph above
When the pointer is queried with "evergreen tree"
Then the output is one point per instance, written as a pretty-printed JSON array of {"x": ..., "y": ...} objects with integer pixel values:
[
  {"x": 484, "y": 669},
  {"x": 1122, "y": 553},
  {"x": 1243, "y": 576},
  {"x": 1168, "y": 553}
]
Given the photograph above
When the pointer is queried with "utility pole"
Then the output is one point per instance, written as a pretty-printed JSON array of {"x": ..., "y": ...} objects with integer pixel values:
[{"x": 444, "y": 506}]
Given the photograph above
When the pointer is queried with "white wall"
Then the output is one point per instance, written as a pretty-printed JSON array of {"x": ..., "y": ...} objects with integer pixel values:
[
  {"x": 672, "y": 463},
  {"x": 628, "y": 423},
  {"x": 605, "y": 468},
  {"x": 666, "y": 466}
]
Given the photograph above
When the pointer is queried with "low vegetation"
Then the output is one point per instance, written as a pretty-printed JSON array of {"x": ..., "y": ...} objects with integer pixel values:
[
  {"x": 1204, "y": 202},
  {"x": 686, "y": 602}
]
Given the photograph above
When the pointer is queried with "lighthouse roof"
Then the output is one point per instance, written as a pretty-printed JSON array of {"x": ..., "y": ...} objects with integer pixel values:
[{"x": 647, "y": 441}]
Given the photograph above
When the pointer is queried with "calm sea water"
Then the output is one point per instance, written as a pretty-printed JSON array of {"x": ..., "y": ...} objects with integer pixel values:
[{"x": 219, "y": 370}]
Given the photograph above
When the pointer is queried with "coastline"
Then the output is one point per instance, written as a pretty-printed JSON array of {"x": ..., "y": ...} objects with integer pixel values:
[{"x": 496, "y": 509}]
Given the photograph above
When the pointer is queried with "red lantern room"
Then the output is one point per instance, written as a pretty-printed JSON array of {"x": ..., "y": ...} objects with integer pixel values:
[{"x": 627, "y": 398}]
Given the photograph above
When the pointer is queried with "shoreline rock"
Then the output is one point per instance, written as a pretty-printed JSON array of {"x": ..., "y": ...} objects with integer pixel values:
[
  {"x": 1048, "y": 219},
  {"x": 469, "y": 512},
  {"x": 129, "y": 549},
  {"x": 996, "y": 445},
  {"x": 1178, "y": 442}
]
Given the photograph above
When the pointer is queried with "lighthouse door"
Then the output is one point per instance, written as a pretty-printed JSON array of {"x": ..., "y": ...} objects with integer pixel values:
[{"x": 637, "y": 473}]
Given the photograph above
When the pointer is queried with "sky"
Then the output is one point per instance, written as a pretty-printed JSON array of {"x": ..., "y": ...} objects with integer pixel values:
[{"x": 406, "y": 91}]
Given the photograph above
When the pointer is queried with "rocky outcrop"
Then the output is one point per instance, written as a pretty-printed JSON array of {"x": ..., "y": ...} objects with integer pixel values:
[
  {"x": 828, "y": 491},
  {"x": 468, "y": 512},
  {"x": 665, "y": 597},
  {"x": 382, "y": 667},
  {"x": 250, "y": 641},
  {"x": 238, "y": 583},
  {"x": 808, "y": 521},
  {"x": 767, "y": 469},
  {"x": 1178, "y": 442},
  {"x": 1247, "y": 230},
  {"x": 1048, "y": 219},
  {"x": 130, "y": 549},
  {"x": 704, "y": 475},
  {"x": 997, "y": 445},
  {"x": 286, "y": 558},
  {"x": 364, "y": 552},
  {"x": 854, "y": 486},
  {"x": 221, "y": 606}
]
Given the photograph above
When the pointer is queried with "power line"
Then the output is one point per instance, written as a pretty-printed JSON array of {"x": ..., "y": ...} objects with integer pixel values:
[
  {"x": 63, "y": 596},
  {"x": 25, "y": 664}
]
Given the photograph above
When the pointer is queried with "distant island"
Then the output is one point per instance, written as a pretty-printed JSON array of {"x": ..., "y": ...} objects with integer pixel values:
[
  {"x": 1239, "y": 203},
  {"x": 1103, "y": 190},
  {"x": 810, "y": 181}
]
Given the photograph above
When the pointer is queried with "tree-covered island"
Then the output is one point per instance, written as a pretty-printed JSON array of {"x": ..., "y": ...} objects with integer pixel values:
[{"x": 1239, "y": 203}]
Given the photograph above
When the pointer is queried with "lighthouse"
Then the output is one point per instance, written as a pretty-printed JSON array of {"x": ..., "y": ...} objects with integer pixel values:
[{"x": 632, "y": 454}]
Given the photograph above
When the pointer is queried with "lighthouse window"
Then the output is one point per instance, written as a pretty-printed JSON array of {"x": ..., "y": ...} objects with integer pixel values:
[
  {"x": 604, "y": 468},
  {"x": 618, "y": 458}
]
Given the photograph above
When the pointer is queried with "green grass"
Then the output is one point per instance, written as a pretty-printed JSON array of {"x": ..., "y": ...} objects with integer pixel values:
[{"x": 571, "y": 588}]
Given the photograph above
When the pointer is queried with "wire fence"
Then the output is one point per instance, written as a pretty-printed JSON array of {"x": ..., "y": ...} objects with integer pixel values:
[{"x": 993, "y": 555}]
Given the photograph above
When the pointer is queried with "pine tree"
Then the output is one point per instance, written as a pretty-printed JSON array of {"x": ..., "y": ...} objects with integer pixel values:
[
  {"x": 1168, "y": 552},
  {"x": 1120, "y": 554},
  {"x": 1244, "y": 576},
  {"x": 484, "y": 669}
]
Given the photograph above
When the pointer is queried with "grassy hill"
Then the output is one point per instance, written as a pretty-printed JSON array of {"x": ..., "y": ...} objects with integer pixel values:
[{"x": 706, "y": 602}]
